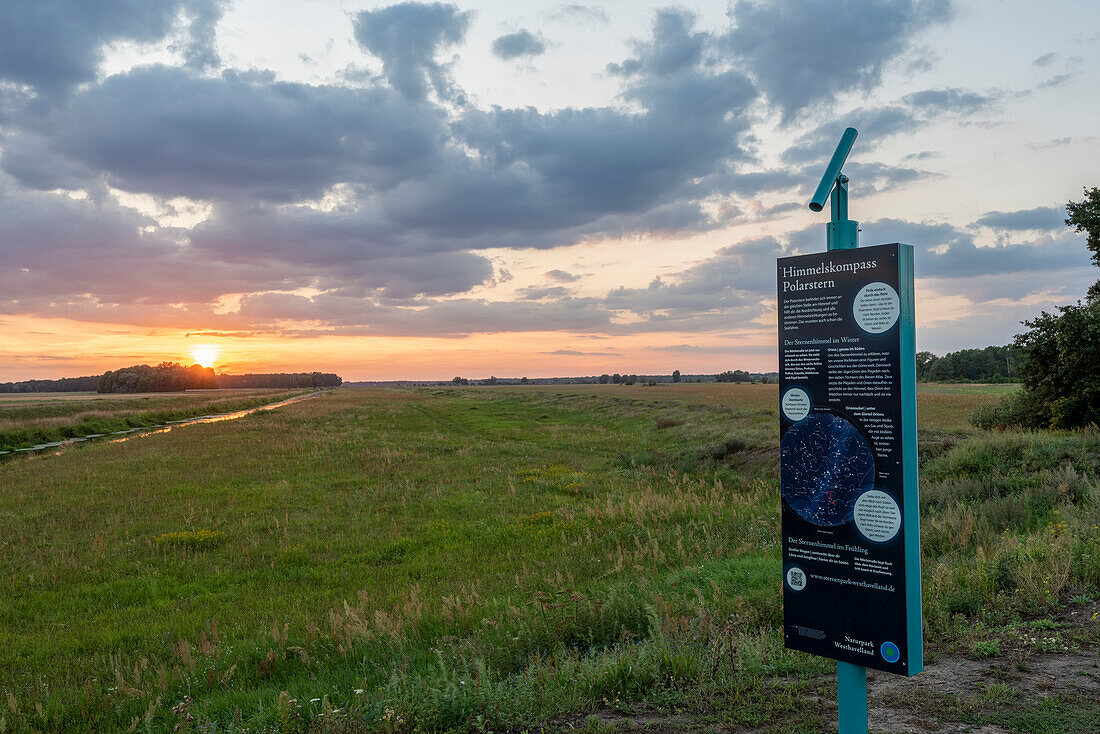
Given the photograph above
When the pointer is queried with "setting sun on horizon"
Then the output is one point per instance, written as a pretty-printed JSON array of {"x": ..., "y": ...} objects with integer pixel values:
[
  {"x": 576, "y": 190},
  {"x": 205, "y": 355}
]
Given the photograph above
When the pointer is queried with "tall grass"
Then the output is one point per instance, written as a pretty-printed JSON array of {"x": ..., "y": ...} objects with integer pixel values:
[
  {"x": 475, "y": 560},
  {"x": 46, "y": 422}
]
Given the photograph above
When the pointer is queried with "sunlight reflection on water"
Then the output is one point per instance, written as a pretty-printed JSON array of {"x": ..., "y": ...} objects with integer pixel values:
[{"x": 129, "y": 433}]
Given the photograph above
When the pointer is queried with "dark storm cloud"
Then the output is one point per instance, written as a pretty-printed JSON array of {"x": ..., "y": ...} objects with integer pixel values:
[
  {"x": 1043, "y": 217},
  {"x": 518, "y": 44},
  {"x": 407, "y": 37},
  {"x": 55, "y": 44},
  {"x": 803, "y": 52}
]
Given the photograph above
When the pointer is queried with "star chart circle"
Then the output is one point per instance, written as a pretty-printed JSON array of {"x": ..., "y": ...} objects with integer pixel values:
[
  {"x": 876, "y": 307},
  {"x": 826, "y": 464}
]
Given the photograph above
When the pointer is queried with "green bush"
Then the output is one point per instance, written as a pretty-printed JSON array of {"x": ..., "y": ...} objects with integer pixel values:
[{"x": 1060, "y": 365}]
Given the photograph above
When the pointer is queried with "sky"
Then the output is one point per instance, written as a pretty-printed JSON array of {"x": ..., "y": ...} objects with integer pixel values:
[{"x": 424, "y": 190}]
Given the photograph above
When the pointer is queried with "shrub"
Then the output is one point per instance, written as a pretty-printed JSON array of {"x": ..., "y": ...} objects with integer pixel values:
[{"x": 1060, "y": 355}]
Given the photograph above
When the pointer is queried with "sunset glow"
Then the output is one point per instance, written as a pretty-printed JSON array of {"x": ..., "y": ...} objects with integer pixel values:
[
  {"x": 550, "y": 191},
  {"x": 205, "y": 355}
]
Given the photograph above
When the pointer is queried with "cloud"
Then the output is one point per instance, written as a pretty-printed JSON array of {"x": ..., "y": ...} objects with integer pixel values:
[
  {"x": 674, "y": 47},
  {"x": 576, "y": 13},
  {"x": 201, "y": 50},
  {"x": 718, "y": 292},
  {"x": 53, "y": 46},
  {"x": 877, "y": 124},
  {"x": 1045, "y": 60},
  {"x": 561, "y": 276},
  {"x": 1055, "y": 81},
  {"x": 1055, "y": 143},
  {"x": 727, "y": 349},
  {"x": 951, "y": 99},
  {"x": 803, "y": 54},
  {"x": 945, "y": 251},
  {"x": 374, "y": 195},
  {"x": 1043, "y": 217},
  {"x": 407, "y": 37},
  {"x": 535, "y": 293},
  {"x": 377, "y": 198},
  {"x": 697, "y": 349},
  {"x": 522, "y": 43},
  {"x": 441, "y": 318},
  {"x": 576, "y": 353},
  {"x": 164, "y": 131}
]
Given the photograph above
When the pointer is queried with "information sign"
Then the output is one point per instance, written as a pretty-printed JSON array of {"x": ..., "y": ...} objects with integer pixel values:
[{"x": 851, "y": 548}]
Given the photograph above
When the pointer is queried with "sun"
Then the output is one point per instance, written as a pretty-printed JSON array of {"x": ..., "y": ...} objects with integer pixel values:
[{"x": 205, "y": 355}]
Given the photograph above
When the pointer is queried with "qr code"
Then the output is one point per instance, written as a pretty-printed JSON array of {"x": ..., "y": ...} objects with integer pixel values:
[{"x": 796, "y": 579}]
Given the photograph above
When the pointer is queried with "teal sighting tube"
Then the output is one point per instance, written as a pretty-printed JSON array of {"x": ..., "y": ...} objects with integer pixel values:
[{"x": 843, "y": 148}]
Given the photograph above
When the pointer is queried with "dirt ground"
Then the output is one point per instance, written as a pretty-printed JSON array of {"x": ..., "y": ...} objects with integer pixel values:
[
  {"x": 898, "y": 704},
  {"x": 953, "y": 687}
]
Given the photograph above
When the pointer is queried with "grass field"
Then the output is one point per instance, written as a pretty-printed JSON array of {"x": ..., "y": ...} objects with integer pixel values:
[
  {"x": 488, "y": 559},
  {"x": 27, "y": 419}
]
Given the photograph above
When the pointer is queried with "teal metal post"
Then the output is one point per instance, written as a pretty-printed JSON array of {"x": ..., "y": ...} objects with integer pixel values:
[
  {"x": 843, "y": 234},
  {"x": 851, "y": 698}
]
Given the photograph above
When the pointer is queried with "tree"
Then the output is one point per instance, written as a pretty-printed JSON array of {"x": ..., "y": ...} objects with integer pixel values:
[
  {"x": 676, "y": 375},
  {"x": 733, "y": 376},
  {"x": 925, "y": 360},
  {"x": 1059, "y": 356},
  {"x": 1084, "y": 216},
  {"x": 605, "y": 378},
  {"x": 1061, "y": 366}
]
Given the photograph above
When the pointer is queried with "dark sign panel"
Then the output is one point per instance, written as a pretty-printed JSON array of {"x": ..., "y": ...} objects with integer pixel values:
[{"x": 851, "y": 552}]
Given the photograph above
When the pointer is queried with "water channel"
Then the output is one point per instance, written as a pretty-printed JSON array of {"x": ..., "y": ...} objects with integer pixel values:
[{"x": 127, "y": 434}]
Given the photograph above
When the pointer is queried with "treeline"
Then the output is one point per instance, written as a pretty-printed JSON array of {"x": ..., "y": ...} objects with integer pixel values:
[
  {"x": 604, "y": 379},
  {"x": 174, "y": 377},
  {"x": 281, "y": 380},
  {"x": 992, "y": 364},
  {"x": 65, "y": 384},
  {"x": 165, "y": 377}
]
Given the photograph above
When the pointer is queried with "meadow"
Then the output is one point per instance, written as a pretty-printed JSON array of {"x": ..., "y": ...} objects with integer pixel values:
[
  {"x": 514, "y": 558},
  {"x": 27, "y": 419}
]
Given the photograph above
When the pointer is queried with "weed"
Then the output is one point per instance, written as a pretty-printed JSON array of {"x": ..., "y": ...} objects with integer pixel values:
[
  {"x": 988, "y": 648},
  {"x": 197, "y": 539}
]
